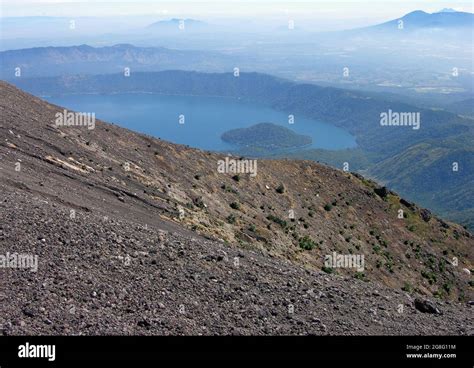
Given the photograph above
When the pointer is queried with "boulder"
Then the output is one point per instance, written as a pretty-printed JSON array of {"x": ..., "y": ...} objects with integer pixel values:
[{"x": 426, "y": 306}]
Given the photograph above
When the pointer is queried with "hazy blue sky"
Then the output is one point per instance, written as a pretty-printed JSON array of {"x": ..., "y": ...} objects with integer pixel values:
[
  {"x": 340, "y": 9},
  {"x": 316, "y": 14}
]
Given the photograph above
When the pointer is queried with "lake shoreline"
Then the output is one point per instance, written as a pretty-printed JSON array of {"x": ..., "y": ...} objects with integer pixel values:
[{"x": 198, "y": 121}]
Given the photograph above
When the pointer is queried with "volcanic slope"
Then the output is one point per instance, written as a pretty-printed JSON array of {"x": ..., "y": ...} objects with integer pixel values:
[{"x": 135, "y": 235}]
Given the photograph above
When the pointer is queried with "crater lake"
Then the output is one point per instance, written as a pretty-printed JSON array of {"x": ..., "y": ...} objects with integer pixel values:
[{"x": 205, "y": 118}]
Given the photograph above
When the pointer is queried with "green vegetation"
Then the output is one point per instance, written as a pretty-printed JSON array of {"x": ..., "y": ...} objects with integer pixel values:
[
  {"x": 360, "y": 276},
  {"x": 235, "y": 206},
  {"x": 228, "y": 189},
  {"x": 407, "y": 287},
  {"x": 306, "y": 243},
  {"x": 327, "y": 269},
  {"x": 429, "y": 275},
  {"x": 231, "y": 219},
  {"x": 447, "y": 287},
  {"x": 267, "y": 136},
  {"x": 277, "y": 220}
]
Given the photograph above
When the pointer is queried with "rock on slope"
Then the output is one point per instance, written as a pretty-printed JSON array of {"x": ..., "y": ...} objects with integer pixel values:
[{"x": 133, "y": 237}]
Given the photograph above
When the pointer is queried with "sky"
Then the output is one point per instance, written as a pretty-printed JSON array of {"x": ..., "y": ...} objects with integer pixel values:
[
  {"x": 313, "y": 14},
  {"x": 199, "y": 8}
]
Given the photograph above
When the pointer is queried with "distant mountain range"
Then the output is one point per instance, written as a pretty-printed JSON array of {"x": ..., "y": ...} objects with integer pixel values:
[
  {"x": 84, "y": 59},
  {"x": 447, "y": 10},
  {"x": 420, "y": 20},
  {"x": 390, "y": 154},
  {"x": 177, "y": 24}
]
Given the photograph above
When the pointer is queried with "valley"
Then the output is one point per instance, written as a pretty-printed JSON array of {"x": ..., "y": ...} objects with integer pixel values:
[{"x": 384, "y": 153}]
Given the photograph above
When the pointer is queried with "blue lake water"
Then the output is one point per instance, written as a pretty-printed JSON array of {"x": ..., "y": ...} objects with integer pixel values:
[{"x": 206, "y": 118}]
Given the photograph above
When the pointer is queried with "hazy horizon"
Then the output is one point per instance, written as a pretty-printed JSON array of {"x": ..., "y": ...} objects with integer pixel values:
[{"x": 310, "y": 15}]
